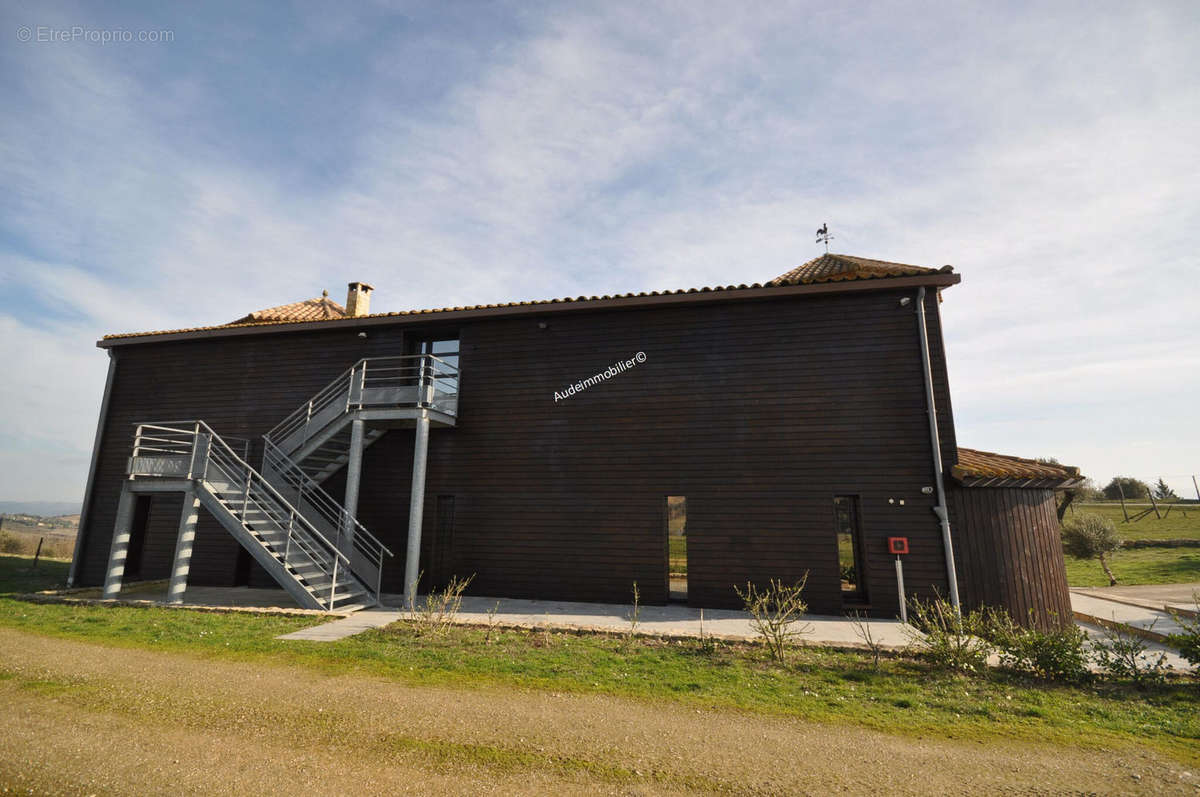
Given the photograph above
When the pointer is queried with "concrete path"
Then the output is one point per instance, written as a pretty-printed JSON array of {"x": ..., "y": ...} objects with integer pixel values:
[
  {"x": 671, "y": 621},
  {"x": 1182, "y": 598},
  {"x": 356, "y": 623},
  {"x": 1150, "y": 623}
]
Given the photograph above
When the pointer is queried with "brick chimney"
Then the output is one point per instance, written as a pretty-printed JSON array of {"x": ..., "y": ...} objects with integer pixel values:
[{"x": 358, "y": 299}]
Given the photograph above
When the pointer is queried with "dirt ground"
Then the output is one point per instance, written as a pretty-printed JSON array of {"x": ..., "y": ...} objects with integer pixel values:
[{"x": 83, "y": 718}]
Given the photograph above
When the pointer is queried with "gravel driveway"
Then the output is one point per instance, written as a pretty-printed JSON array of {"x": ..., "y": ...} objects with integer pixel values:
[{"x": 85, "y": 718}]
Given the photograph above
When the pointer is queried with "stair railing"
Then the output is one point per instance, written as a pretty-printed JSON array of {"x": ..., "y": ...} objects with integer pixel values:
[
  {"x": 199, "y": 453},
  {"x": 419, "y": 380},
  {"x": 364, "y": 550}
]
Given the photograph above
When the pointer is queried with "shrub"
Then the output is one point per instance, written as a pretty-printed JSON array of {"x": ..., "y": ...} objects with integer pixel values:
[
  {"x": 10, "y": 543},
  {"x": 1057, "y": 655},
  {"x": 1124, "y": 655},
  {"x": 1187, "y": 642},
  {"x": 951, "y": 640},
  {"x": 775, "y": 612},
  {"x": 1088, "y": 536},
  {"x": 438, "y": 611},
  {"x": 635, "y": 614},
  {"x": 864, "y": 631}
]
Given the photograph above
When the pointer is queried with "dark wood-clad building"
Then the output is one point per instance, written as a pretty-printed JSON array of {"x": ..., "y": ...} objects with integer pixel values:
[{"x": 687, "y": 441}]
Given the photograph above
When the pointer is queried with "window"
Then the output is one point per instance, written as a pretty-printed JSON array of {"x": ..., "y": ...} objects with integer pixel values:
[
  {"x": 849, "y": 549},
  {"x": 675, "y": 523}
]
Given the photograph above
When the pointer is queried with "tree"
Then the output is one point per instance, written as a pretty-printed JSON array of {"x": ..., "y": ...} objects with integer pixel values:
[
  {"x": 1088, "y": 536},
  {"x": 1085, "y": 490},
  {"x": 1133, "y": 488},
  {"x": 1163, "y": 491}
]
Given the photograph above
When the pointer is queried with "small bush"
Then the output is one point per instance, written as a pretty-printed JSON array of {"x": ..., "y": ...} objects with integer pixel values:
[
  {"x": 1088, "y": 536},
  {"x": 1123, "y": 655},
  {"x": 10, "y": 543},
  {"x": 951, "y": 641},
  {"x": 862, "y": 629},
  {"x": 635, "y": 614},
  {"x": 1057, "y": 655},
  {"x": 438, "y": 611},
  {"x": 1187, "y": 642},
  {"x": 775, "y": 613}
]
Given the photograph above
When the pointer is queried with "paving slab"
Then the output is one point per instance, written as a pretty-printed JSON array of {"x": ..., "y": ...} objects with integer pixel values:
[
  {"x": 1154, "y": 650},
  {"x": 360, "y": 621},
  {"x": 1155, "y": 596},
  {"x": 670, "y": 621},
  {"x": 1148, "y": 622}
]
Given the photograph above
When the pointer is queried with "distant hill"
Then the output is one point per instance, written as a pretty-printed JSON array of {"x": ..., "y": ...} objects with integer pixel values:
[{"x": 43, "y": 508}]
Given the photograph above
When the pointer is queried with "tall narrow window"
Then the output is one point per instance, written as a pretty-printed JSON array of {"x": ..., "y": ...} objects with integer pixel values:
[
  {"x": 675, "y": 521},
  {"x": 444, "y": 369},
  {"x": 849, "y": 549}
]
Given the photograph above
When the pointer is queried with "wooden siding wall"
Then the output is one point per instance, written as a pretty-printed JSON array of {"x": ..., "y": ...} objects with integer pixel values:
[
  {"x": 1009, "y": 553},
  {"x": 758, "y": 412}
]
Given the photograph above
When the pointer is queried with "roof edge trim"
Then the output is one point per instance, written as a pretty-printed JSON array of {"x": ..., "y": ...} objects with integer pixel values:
[{"x": 540, "y": 307}]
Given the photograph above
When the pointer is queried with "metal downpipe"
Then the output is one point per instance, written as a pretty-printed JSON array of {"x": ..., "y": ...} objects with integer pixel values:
[{"x": 935, "y": 441}]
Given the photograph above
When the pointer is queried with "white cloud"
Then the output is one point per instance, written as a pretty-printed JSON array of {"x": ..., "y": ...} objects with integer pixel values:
[{"x": 1048, "y": 155}]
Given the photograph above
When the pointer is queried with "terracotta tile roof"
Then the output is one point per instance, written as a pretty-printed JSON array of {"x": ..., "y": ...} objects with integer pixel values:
[
  {"x": 866, "y": 269},
  {"x": 976, "y": 465},
  {"x": 832, "y": 268},
  {"x": 320, "y": 309}
]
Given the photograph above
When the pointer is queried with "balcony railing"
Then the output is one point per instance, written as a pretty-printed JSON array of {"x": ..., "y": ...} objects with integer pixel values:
[{"x": 417, "y": 381}]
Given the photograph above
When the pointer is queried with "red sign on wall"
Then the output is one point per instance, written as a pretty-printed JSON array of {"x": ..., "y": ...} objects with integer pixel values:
[{"x": 897, "y": 545}]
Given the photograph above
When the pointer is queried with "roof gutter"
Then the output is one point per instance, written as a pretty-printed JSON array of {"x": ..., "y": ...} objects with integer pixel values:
[
  {"x": 91, "y": 480},
  {"x": 489, "y": 312},
  {"x": 935, "y": 441}
]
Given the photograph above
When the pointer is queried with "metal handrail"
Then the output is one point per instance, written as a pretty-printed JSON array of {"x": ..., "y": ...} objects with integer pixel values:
[
  {"x": 217, "y": 454},
  {"x": 416, "y": 370},
  {"x": 310, "y": 492}
]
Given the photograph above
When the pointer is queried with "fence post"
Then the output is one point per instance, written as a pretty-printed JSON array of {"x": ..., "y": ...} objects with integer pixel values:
[{"x": 1124, "y": 511}]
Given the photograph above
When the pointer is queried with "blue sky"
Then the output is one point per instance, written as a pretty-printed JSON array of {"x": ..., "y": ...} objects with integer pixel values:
[{"x": 465, "y": 153}]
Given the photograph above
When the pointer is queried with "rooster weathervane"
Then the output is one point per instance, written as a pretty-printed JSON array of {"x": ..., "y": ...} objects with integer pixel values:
[{"x": 823, "y": 236}]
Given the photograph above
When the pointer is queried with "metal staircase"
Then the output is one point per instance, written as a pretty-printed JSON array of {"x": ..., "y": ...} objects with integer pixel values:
[
  {"x": 320, "y": 571},
  {"x": 310, "y": 544},
  {"x": 384, "y": 392}
]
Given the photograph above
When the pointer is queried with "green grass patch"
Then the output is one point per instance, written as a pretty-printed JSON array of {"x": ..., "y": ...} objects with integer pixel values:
[
  {"x": 1182, "y": 522},
  {"x": 17, "y": 574},
  {"x": 678, "y": 554},
  {"x": 1139, "y": 566},
  {"x": 905, "y": 696}
]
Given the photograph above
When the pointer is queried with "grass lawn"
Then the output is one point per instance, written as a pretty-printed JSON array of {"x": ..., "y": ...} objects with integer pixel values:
[
  {"x": 1143, "y": 565},
  {"x": 678, "y": 554},
  {"x": 1139, "y": 566},
  {"x": 904, "y": 696},
  {"x": 1175, "y": 526}
]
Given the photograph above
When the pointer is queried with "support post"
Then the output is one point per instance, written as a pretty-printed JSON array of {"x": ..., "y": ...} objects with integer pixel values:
[
  {"x": 416, "y": 510},
  {"x": 122, "y": 530},
  {"x": 353, "y": 477},
  {"x": 183, "y": 546},
  {"x": 1121, "y": 492},
  {"x": 900, "y": 590},
  {"x": 1153, "y": 503},
  {"x": 1197, "y": 486}
]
